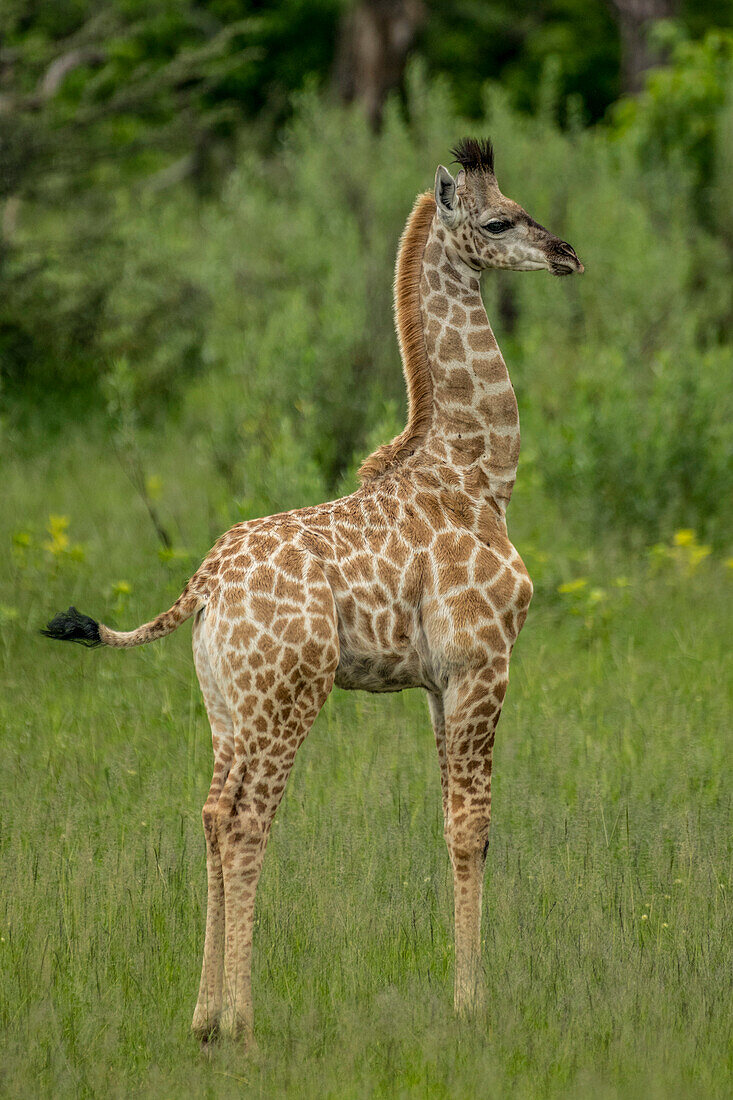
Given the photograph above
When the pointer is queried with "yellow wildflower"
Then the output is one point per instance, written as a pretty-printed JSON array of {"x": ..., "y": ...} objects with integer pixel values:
[
  {"x": 684, "y": 537},
  {"x": 154, "y": 486},
  {"x": 59, "y": 540},
  {"x": 570, "y": 587}
]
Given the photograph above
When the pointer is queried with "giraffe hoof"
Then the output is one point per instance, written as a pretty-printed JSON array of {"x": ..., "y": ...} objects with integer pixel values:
[
  {"x": 469, "y": 1003},
  {"x": 205, "y": 1029},
  {"x": 206, "y": 1037},
  {"x": 238, "y": 1029}
]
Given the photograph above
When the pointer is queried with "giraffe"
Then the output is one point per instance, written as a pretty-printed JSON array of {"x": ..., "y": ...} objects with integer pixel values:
[{"x": 411, "y": 581}]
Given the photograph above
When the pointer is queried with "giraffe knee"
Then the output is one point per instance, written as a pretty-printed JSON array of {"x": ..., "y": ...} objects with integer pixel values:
[
  {"x": 239, "y": 825},
  {"x": 209, "y": 818},
  {"x": 468, "y": 837}
]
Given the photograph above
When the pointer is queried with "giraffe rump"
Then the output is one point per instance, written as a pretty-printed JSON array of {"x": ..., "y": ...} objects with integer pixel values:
[
  {"x": 72, "y": 626},
  {"x": 475, "y": 155}
]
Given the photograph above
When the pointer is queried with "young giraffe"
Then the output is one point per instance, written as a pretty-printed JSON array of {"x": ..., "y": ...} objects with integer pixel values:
[{"x": 409, "y": 582}]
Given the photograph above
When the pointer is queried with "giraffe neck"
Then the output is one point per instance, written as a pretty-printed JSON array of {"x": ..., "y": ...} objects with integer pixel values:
[
  {"x": 475, "y": 417},
  {"x": 461, "y": 406}
]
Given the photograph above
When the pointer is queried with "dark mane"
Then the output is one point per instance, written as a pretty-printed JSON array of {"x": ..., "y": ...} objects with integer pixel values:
[{"x": 475, "y": 155}]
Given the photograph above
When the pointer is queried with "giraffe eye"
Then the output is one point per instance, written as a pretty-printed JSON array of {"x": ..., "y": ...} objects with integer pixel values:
[{"x": 497, "y": 225}]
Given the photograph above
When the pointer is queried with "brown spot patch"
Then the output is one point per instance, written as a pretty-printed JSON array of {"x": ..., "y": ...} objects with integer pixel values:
[
  {"x": 464, "y": 452},
  {"x": 287, "y": 589},
  {"x": 451, "y": 346},
  {"x": 438, "y": 307},
  {"x": 383, "y": 624},
  {"x": 491, "y": 370},
  {"x": 460, "y": 507},
  {"x": 524, "y": 595},
  {"x": 414, "y": 584},
  {"x": 452, "y": 548},
  {"x": 486, "y": 566},
  {"x": 493, "y": 637},
  {"x": 242, "y": 634},
  {"x": 263, "y": 609},
  {"x": 481, "y": 340},
  {"x": 396, "y": 550},
  {"x": 500, "y": 408},
  {"x": 389, "y": 576},
  {"x": 501, "y": 592},
  {"x": 429, "y": 504},
  {"x": 468, "y": 608},
  {"x": 262, "y": 579},
  {"x": 503, "y": 450},
  {"x": 290, "y": 561},
  {"x": 451, "y": 576},
  {"x": 433, "y": 254},
  {"x": 460, "y": 385},
  {"x": 416, "y": 532},
  {"x": 294, "y": 632}
]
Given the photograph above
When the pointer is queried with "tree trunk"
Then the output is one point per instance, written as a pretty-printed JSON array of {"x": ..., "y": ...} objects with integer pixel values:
[
  {"x": 375, "y": 39},
  {"x": 634, "y": 19}
]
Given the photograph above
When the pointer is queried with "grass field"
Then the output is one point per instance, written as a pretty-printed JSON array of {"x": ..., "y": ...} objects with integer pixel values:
[{"x": 607, "y": 920}]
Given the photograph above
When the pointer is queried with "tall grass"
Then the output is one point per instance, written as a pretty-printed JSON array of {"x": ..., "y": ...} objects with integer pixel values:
[{"x": 607, "y": 911}]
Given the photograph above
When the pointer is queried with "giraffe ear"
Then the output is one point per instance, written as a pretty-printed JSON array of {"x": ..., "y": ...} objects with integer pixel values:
[{"x": 445, "y": 197}]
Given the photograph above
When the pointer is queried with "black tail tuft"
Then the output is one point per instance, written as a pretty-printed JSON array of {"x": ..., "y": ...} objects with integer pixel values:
[{"x": 72, "y": 626}]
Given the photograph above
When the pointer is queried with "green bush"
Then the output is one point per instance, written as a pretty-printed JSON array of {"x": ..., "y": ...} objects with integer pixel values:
[
  {"x": 619, "y": 374},
  {"x": 266, "y": 313}
]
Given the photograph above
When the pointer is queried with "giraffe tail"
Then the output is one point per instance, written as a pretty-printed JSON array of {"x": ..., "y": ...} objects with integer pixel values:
[{"x": 72, "y": 626}]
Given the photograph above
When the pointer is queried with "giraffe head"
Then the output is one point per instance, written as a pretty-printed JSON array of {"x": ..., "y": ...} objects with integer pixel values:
[{"x": 485, "y": 228}]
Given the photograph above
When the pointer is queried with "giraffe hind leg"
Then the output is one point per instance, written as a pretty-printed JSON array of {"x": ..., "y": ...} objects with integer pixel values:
[
  {"x": 211, "y": 989},
  {"x": 245, "y": 812},
  {"x": 274, "y": 659}
]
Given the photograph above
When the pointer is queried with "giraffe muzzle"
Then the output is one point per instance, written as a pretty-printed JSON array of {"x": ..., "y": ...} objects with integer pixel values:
[{"x": 564, "y": 260}]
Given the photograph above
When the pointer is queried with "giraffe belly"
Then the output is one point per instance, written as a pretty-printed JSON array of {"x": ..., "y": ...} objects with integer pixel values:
[{"x": 380, "y": 672}]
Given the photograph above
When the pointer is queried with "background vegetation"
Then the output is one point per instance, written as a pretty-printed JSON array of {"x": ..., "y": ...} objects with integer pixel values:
[{"x": 196, "y": 251}]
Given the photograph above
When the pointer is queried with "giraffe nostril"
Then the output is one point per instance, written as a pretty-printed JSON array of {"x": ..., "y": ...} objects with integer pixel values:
[{"x": 567, "y": 250}]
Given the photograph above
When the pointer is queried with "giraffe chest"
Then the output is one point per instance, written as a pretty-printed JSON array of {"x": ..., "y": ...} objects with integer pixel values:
[{"x": 409, "y": 618}]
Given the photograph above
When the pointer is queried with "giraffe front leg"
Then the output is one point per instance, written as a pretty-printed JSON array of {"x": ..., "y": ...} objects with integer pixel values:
[{"x": 472, "y": 705}]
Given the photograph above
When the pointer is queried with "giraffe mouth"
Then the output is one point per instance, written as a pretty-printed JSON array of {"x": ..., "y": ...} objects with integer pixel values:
[{"x": 564, "y": 260}]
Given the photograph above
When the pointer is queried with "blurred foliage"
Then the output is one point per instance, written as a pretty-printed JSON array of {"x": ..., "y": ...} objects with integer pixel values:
[
  {"x": 256, "y": 317},
  {"x": 120, "y": 86},
  {"x": 472, "y": 40},
  {"x": 677, "y": 119}
]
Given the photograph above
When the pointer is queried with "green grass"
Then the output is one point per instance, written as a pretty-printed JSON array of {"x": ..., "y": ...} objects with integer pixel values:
[{"x": 607, "y": 920}]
